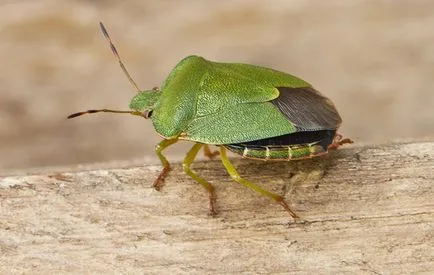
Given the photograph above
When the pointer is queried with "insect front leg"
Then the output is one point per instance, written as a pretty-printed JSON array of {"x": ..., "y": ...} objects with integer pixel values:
[
  {"x": 188, "y": 160},
  {"x": 159, "y": 181},
  {"x": 236, "y": 177}
]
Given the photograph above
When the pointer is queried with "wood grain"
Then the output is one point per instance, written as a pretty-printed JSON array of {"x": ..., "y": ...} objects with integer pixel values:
[{"x": 369, "y": 209}]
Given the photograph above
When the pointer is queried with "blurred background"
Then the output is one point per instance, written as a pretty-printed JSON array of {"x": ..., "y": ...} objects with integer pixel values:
[{"x": 374, "y": 59}]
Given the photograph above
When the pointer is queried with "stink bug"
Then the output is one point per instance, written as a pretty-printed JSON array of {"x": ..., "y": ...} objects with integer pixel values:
[{"x": 253, "y": 111}]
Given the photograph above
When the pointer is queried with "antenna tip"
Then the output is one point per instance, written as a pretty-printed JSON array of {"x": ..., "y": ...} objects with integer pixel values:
[
  {"x": 73, "y": 115},
  {"x": 104, "y": 30}
]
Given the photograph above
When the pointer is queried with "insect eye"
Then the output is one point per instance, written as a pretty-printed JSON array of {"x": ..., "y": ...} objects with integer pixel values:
[{"x": 147, "y": 114}]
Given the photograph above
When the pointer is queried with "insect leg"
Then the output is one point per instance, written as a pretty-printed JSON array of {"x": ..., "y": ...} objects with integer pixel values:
[
  {"x": 158, "y": 183},
  {"x": 339, "y": 140},
  {"x": 188, "y": 160},
  {"x": 208, "y": 153},
  {"x": 236, "y": 177}
]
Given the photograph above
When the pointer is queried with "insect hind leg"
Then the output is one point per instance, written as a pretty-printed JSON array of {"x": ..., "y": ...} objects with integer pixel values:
[
  {"x": 339, "y": 140},
  {"x": 236, "y": 177}
]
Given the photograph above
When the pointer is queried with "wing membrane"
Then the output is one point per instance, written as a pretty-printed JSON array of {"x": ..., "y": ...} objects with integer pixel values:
[{"x": 307, "y": 109}]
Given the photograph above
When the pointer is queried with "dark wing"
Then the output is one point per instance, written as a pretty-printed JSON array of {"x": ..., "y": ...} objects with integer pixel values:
[{"x": 307, "y": 109}]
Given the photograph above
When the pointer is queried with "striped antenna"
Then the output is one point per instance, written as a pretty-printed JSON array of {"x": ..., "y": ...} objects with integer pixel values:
[
  {"x": 135, "y": 113},
  {"x": 115, "y": 52}
]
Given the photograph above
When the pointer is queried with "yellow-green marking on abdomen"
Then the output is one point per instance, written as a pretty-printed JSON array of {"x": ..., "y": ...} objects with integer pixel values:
[{"x": 284, "y": 152}]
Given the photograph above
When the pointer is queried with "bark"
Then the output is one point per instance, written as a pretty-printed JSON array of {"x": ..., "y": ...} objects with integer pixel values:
[{"x": 368, "y": 209}]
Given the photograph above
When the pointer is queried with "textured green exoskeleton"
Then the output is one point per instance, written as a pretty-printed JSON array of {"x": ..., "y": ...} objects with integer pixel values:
[{"x": 252, "y": 111}]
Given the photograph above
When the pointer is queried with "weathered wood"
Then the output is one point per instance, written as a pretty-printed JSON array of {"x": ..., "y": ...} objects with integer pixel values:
[{"x": 369, "y": 210}]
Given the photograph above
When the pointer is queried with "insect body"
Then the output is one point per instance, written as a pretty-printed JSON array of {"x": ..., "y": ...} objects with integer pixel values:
[{"x": 253, "y": 111}]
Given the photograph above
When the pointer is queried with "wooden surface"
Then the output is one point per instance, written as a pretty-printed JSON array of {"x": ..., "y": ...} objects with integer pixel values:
[{"x": 369, "y": 209}]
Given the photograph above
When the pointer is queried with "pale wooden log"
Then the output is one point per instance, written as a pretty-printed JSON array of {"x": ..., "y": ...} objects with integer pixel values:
[{"x": 369, "y": 210}]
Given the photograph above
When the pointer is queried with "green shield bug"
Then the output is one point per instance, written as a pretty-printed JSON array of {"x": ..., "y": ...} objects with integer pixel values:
[{"x": 253, "y": 111}]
